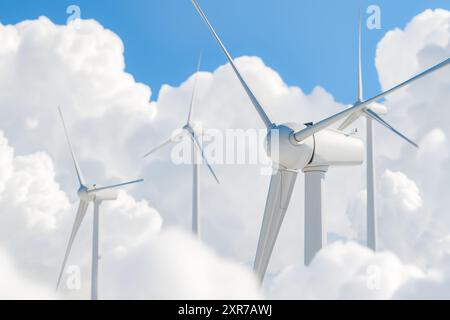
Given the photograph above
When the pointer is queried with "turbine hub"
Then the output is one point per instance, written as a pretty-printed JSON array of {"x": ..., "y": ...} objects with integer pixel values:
[
  {"x": 285, "y": 151},
  {"x": 188, "y": 128},
  {"x": 83, "y": 193}
]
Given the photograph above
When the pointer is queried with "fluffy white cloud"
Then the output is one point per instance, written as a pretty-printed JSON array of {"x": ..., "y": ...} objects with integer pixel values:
[
  {"x": 32, "y": 204},
  {"x": 344, "y": 271},
  {"x": 174, "y": 265},
  {"x": 351, "y": 271},
  {"x": 402, "y": 53},
  {"x": 434, "y": 285},
  {"x": 401, "y": 220},
  {"x": 14, "y": 285},
  {"x": 80, "y": 68}
]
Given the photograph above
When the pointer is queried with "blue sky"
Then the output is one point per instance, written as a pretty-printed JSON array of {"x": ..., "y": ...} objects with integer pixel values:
[{"x": 309, "y": 42}]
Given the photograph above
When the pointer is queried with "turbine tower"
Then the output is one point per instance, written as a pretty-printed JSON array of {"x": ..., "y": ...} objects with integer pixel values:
[
  {"x": 88, "y": 194},
  {"x": 311, "y": 148},
  {"x": 195, "y": 144},
  {"x": 371, "y": 113}
]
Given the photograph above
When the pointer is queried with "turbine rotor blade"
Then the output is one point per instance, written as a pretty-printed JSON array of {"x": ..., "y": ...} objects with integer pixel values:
[
  {"x": 350, "y": 119},
  {"x": 360, "y": 76},
  {"x": 81, "y": 212},
  {"x": 319, "y": 126},
  {"x": 166, "y": 143},
  {"x": 115, "y": 186},
  {"x": 262, "y": 114},
  {"x": 198, "y": 145},
  {"x": 75, "y": 162},
  {"x": 278, "y": 198},
  {"x": 380, "y": 120},
  {"x": 355, "y": 116},
  {"x": 191, "y": 108}
]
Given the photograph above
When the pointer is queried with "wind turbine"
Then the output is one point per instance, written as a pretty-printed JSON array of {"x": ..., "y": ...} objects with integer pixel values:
[
  {"x": 188, "y": 129},
  {"x": 88, "y": 193},
  {"x": 311, "y": 148},
  {"x": 371, "y": 113}
]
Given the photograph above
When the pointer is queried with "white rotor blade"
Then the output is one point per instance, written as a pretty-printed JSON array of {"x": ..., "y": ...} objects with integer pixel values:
[
  {"x": 191, "y": 108},
  {"x": 75, "y": 162},
  {"x": 380, "y": 120},
  {"x": 197, "y": 143},
  {"x": 355, "y": 116},
  {"x": 350, "y": 119},
  {"x": 252, "y": 97},
  {"x": 115, "y": 186},
  {"x": 311, "y": 130},
  {"x": 81, "y": 212},
  {"x": 360, "y": 75},
  {"x": 166, "y": 143},
  {"x": 278, "y": 198}
]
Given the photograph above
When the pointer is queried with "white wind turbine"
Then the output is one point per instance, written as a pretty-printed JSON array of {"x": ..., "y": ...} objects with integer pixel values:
[
  {"x": 311, "y": 148},
  {"x": 188, "y": 129},
  {"x": 97, "y": 195},
  {"x": 371, "y": 113}
]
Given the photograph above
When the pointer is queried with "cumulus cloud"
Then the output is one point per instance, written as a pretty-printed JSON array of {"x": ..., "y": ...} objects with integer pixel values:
[
  {"x": 14, "y": 285},
  {"x": 351, "y": 271},
  {"x": 344, "y": 271},
  {"x": 401, "y": 221},
  {"x": 174, "y": 265},
  {"x": 434, "y": 285},
  {"x": 80, "y": 68}
]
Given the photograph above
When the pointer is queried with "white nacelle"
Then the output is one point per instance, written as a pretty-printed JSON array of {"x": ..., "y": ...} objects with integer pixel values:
[
  {"x": 335, "y": 148},
  {"x": 326, "y": 148},
  {"x": 105, "y": 195},
  {"x": 378, "y": 108},
  {"x": 101, "y": 195}
]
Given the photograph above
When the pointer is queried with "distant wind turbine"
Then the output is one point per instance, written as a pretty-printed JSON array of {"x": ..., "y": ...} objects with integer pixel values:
[
  {"x": 311, "y": 148},
  {"x": 371, "y": 113},
  {"x": 195, "y": 143},
  {"x": 88, "y": 194}
]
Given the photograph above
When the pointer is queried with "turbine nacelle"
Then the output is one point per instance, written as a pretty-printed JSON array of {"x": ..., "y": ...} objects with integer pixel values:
[
  {"x": 326, "y": 148},
  {"x": 378, "y": 108},
  {"x": 90, "y": 194},
  {"x": 335, "y": 148}
]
